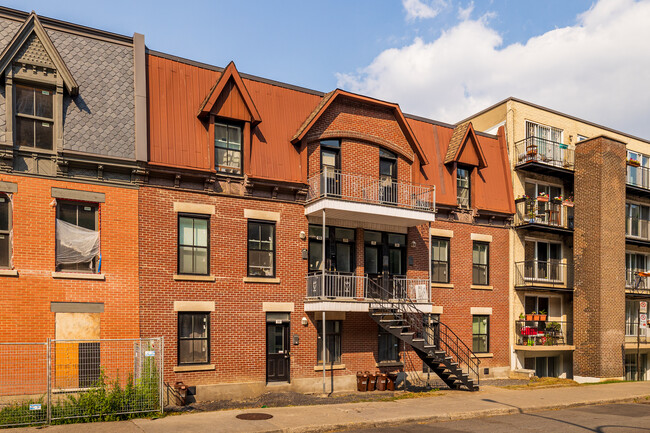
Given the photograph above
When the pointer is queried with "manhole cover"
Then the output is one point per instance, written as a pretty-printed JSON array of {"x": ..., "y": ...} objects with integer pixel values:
[{"x": 254, "y": 416}]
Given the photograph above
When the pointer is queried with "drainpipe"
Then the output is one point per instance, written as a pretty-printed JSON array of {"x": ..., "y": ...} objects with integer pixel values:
[{"x": 323, "y": 261}]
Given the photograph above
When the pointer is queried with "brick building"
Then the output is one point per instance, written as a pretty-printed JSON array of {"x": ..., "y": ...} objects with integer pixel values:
[
  {"x": 68, "y": 196},
  {"x": 267, "y": 207},
  {"x": 580, "y": 243}
]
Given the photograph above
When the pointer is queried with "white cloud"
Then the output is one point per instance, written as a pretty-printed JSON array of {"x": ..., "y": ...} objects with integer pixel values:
[
  {"x": 597, "y": 69},
  {"x": 464, "y": 13},
  {"x": 422, "y": 9}
]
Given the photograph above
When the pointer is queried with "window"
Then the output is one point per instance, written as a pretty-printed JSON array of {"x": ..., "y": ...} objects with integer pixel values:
[
  {"x": 333, "y": 337},
  {"x": 639, "y": 173},
  {"x": 463, "y": 187},
  {"x": 34, "y": 117},
  {"x": 388, "y": 176},
  {"x": 582, "y": 138},
  {"x": 480, "y": 334},
  {"x": 439, "y": 260},
  {"x": 5, "y": 231},
  {"x": 193, "y": 338},
  {"x": 227, "y": 148},
  {"x": 637, "y": 220},
  {"x": 261, "y": 249},
  {"x": 634, "y": 262},
  {"x": 330, "y": 165},
  {"x": 77, "y": 237},
  {"x": 388, "y": 347},
  {"x": 193, "y": 245},
  {"x": 480, "y": 264}
]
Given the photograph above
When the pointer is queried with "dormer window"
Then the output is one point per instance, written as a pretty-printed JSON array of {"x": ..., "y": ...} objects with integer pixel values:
[
  {"x": 463, "y": 187},
  {"x": 34, "y": 117},
  {"x": 227, "y": 148}
]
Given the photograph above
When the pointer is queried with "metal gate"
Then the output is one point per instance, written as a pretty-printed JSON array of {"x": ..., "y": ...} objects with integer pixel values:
[{"x": 62, "y": 379}]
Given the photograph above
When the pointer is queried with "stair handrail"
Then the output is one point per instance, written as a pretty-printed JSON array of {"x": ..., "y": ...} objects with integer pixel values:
[{"x": 459, "y": 349}]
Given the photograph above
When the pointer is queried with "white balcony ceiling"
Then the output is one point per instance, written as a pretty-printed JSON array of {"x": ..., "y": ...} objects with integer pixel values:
[{"x": 368, "y": 213}]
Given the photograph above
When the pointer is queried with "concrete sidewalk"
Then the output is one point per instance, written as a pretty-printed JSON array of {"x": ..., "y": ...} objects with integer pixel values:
[{"x": 449, "y": 405}]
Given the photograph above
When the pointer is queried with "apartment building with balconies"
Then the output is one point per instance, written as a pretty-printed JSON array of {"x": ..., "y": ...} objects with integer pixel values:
[
  {"x": 573, "y": 297},
  {"x": 288, "y": 235}
]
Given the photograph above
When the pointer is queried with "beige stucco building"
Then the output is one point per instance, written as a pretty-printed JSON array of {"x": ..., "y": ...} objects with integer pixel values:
[{"x": 549, "y": 224}]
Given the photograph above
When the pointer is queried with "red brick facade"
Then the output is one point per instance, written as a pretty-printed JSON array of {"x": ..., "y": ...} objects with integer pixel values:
[{"x": 25, "y": 301}]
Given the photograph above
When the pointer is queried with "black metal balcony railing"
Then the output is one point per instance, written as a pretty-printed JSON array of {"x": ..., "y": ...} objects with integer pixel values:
[
  {"x": 543, "y": 151},
  {"x": 333, "y": 183},
  {"x": 637, "y": 282},
  {"x": 535, "y": 273},
  {"x": 543, "y": 333},
  {"x": 638, "y": 177},
  {"x": 552, "y": 213}
]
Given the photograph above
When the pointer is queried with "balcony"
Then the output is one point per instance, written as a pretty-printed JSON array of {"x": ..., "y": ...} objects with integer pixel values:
[
  {"x": 543, "y": 275},
  {"x": 370, "y": 199},
  {"x": 637, "y": 283},
  {"x": 544, "y": 214},
  {"x": 541, "y": 335},
  {"x": 636, "y": 335},
  {"x": 638, "y": 180},
  {"x": 539, "y": 155},
  {"x": 355, "y": 292},
  {"x": 637, "y": 231}
]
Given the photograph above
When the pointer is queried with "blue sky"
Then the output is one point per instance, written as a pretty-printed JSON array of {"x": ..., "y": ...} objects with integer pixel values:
[{"x": 413, "y": 52}]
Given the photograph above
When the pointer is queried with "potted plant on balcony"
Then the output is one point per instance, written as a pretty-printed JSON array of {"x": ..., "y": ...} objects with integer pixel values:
[
  {"x": 529, "y": 317},
  {"x": 633, "y": 162},
  {"x": 535, "y": 316},
  {"x": 568, "y": 202},
  {"x": 542, "y": 197},
  {"x": 522, "y": 316},
  {"x": 542, "y": 315},
  {"x": 558, "y": 199}
]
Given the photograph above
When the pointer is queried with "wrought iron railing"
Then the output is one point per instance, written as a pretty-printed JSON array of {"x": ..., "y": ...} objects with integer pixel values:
[
  {"x": 637, "y": 282},
  {"x": 399, "y": 288},
  {"x": 440, "y": 336},
  {"x": 543, "y": 332},
  {"x": 552, "y": 273},
  {"x": 638, "y": 176},
  {"x": 553, "y": 213},
  {"x": 366, "y": 189},
  {"x": 541, "y": 150}
]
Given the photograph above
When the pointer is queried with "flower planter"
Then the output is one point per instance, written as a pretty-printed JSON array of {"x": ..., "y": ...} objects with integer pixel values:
[
  {"x": 542, "y": 317},
  {"x": 542, "y": 199},
  {"x": 567, "y": 203},
  {"x": 529, "y": 317},
  {"x": 536, "y": 317},
  {"x": 633, "y": 163}
]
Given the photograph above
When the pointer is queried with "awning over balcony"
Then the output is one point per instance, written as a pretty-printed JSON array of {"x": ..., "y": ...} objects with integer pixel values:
[{"x": 368, "y": 213}]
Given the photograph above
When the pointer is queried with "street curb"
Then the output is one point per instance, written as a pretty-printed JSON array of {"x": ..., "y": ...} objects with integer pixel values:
[{"x": 455, "y": 416}]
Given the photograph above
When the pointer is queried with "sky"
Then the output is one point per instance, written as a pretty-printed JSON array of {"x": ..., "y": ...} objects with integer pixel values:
[{"x": 442, "y": 59}]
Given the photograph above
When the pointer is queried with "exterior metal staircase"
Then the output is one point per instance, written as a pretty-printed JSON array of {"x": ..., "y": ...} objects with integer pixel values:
[{"x": 436, "y": 344}]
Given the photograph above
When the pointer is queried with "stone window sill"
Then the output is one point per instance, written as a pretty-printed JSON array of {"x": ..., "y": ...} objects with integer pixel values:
[
  {"x": 79, "y": 276},
  {"x": 8, "y": 272},
  {"x": 483, "y": 355},
  {"x": 478, "y": 287},
  {"x": 186, "y": 368},
  {"x": 330, "y": 367},
  {"x": 442, "y": 286},
  {"x": 209, "y": 278},
  {"x": 390, "y": 364},
  {"x": 264, "y": 280}
]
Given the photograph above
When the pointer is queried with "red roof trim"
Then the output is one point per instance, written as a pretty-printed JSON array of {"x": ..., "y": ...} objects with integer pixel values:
[
  {"x": 215, "y": 92},
  {"x": 401, "y": 120}
]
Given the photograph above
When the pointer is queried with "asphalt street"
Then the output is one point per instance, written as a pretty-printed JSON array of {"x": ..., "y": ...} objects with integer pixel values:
[{"x": 609, "y": 418}]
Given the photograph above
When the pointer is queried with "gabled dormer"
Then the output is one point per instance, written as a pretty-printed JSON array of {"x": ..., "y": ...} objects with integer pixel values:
[
  {"x": 464, "y": 155},
  {"x": 231, "y": 114},
  {"x": 35, "y": 77}
]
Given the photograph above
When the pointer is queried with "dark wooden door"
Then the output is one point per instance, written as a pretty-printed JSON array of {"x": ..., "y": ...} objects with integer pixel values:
[{"x": 277, "y": 352}]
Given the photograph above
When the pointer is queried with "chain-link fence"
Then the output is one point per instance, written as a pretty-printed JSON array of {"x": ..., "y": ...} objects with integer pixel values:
[
  {"x": 61, "y": 379},
  {"x": 23, "y": 383}
]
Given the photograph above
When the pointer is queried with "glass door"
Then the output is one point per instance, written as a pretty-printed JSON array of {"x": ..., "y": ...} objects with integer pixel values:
[
  {"x": 330, "y": 159},
  {"x": 388, "y": 176}
]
